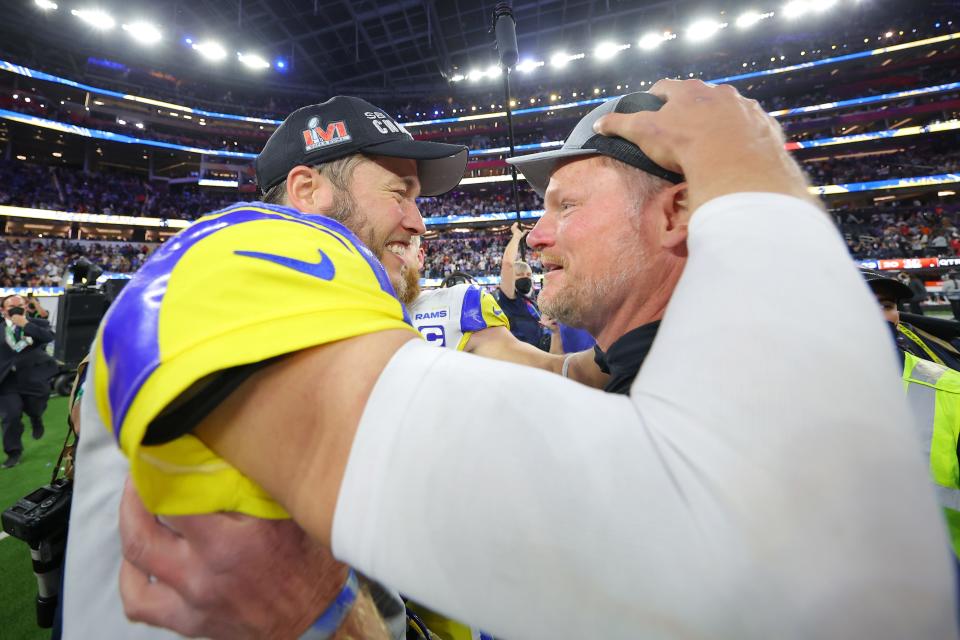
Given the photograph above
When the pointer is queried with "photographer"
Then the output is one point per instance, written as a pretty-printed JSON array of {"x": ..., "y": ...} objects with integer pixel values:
[
  {"x": 25, "y": 372},
  {"x": 35, "y": 309}
]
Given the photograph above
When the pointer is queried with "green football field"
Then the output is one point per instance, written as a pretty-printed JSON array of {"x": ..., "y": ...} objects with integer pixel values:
[{"x": 18, "y": 587}]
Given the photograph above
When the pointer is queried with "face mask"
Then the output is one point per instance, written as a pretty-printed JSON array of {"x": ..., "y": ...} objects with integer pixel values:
[{"x": 524, "y": 285}]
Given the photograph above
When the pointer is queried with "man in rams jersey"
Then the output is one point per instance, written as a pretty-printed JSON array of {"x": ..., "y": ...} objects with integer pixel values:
[{"x": 340, "y": 181}]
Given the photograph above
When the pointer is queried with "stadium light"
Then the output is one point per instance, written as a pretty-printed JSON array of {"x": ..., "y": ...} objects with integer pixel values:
[
  {"x": 210, "y": 50},
  {"x": 46, "y": 5},
  {"x": 475, "y": 75},
  {"x": 96, "y": 18},
  {"x": 458, "y": 77},
  {"x": 280, "y": 65},
  {"x": 493, "y": 71},
  {"x": 750, "y": 18},
  {"x": 606, "y": 50},
  {"x": 822, "y": 5},
  {"x": 528, "y": 65},
  {"x": 650, "y": 41},
  {"x": 253, "y": 61},
  {"x": 560, "y": 59},
  {"x": 143, "y": 32},
  {"x": 796, "y": 8},
  {"x": 704, "y": 29}
]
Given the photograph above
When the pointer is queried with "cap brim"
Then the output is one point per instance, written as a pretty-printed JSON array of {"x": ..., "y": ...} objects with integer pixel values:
[
  {"x": 440, "y": 166},
  {"x": 537, "y": 167},
  {"x": 895, "y": 288}
]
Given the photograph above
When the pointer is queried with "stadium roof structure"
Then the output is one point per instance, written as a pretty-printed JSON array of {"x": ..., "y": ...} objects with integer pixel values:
[{"x": 406, "y": 47}]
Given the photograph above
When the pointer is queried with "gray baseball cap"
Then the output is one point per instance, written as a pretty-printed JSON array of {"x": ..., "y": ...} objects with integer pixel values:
[{"x": 583, "y": 141}]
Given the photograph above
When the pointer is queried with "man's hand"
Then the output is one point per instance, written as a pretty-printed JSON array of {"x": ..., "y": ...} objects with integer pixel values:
[
  {"x": 549, "y": 323},
  {"x": 223, "y": 575},
  {"x": 517, "y": 231},
  {"x": 19, "y": 319},
  {"x": 722, "y": 142}
]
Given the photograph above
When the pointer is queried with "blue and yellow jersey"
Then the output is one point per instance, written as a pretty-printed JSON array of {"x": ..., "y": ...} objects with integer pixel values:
[
  {"x": 238, "y": 287},
  {"x": 448, "y": 317}
]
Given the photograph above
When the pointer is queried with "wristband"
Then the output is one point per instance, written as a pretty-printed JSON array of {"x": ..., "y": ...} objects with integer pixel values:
[
  {"x": 566, "y": 365},
  {"x": 331, "y": 619}
]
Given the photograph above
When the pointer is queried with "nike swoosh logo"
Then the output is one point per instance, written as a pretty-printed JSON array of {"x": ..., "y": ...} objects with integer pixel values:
[{"x": 323, "y": 269}]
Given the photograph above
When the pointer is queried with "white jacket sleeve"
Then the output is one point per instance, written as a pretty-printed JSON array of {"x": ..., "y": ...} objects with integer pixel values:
[{"x": 761, "y": 481}]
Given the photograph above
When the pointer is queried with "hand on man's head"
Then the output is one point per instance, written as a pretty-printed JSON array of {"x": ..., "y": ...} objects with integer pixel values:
[{"x": 719, "y": 140}]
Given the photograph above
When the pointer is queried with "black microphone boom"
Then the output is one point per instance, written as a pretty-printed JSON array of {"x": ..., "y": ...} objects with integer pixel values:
[{"x": 505, "y": 28}]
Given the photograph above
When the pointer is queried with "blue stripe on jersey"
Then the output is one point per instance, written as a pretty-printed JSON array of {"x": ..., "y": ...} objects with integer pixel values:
[
  {"x": 130, "y": 341},
  {"x": 471, "y": 313}
]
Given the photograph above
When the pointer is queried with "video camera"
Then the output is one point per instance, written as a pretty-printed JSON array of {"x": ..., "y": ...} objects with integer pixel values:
[{"x": 40, "y": 519}]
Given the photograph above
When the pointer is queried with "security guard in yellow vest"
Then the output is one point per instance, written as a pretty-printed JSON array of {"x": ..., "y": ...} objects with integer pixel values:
[{"x": 933, "y": 393}]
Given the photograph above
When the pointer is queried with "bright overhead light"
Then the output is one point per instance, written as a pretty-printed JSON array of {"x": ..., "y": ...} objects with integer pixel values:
[
  {"x": 606, "y": 50},
  {"x": 750, "y": 18},
  {"x": 210, "y": 50},
  {"x": 796, "y": 8},
  {"x": 493, "y": 71},
  {"x": 253, "y": 61},
  {"x": 560, "y": 60},
  {"x": 528, "y": 65},
  {"x": 143, "y": 32},
  {"x": 46, "y": 5},
  {"x": 650, "y": 41},
  {"x": 703, "y": 29},
  {"x": 822, "y": 5},
  {"x": 96, "y": 18},
  {"x": 475, "y": 75},
  {"x": 458, "y": 77}
]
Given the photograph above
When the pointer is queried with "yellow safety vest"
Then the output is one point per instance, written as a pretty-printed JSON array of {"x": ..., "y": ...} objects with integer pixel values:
[{"x": 933, "y": 393}]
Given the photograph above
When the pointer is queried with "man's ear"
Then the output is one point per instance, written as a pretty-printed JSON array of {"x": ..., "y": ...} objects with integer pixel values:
[
  {"x": 673, "y": 202},
  {"x": 308, "y": 191}
]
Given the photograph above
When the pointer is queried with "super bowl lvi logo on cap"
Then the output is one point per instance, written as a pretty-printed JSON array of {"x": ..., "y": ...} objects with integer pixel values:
[{"x": 315, "y": 136}]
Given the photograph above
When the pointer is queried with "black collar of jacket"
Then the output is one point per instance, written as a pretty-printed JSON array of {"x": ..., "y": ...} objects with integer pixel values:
[{"x": 625, "y": 356}]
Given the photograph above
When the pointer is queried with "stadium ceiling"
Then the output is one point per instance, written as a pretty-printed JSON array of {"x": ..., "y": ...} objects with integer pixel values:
[
  {"x": 394, "y": 44},
  {"x": 339, "y": 45}
]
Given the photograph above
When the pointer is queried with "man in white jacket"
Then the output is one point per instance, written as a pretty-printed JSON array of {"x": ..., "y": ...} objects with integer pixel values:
[{"x": 760, "y": 480}]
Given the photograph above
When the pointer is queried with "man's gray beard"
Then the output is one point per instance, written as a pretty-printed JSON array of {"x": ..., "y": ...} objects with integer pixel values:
[{"x": 572, "y": 305}]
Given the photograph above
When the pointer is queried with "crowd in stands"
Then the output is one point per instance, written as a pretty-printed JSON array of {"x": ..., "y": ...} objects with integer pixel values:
[
  {"x": 32, "y": 262},
  {"x": 108, "y": 192},
  {"x": 904, "y": 229},
  {"x": 898, "y": 164},
  {"x": 467, "y": 203},
  {"x": 478, "y": 254},
  {"x": 901, "y": 230}
]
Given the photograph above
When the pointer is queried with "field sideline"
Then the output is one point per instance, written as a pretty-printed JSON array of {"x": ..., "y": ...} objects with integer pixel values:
[{"x": 18, "y": 586}]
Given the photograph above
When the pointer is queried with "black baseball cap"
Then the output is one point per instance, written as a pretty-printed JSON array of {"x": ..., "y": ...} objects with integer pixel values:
[
  {"x": 344, "y": 125},
  {"x": 583, "y": 141},
  {"x": 882, "y": 283}
]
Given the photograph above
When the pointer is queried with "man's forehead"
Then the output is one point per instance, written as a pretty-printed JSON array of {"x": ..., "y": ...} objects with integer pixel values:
[{"x": 567, "y": 172}]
